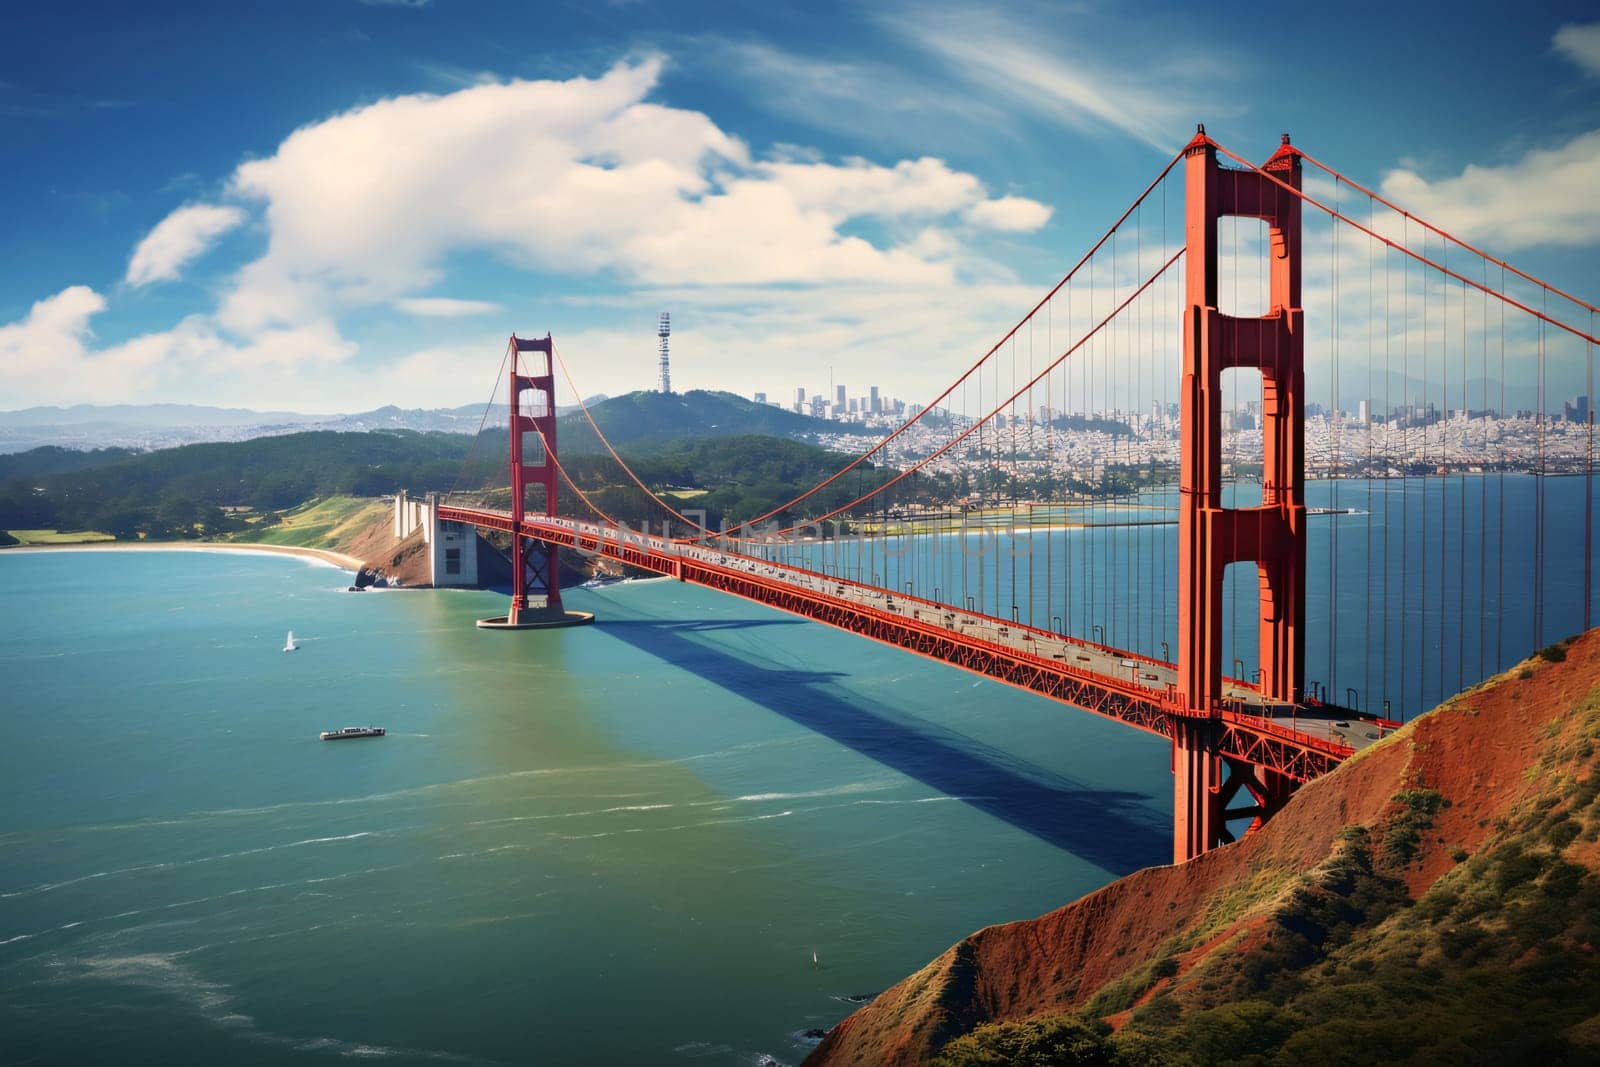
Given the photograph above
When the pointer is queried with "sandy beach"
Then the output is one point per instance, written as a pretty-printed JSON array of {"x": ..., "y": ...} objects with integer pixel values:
[{"x": 320, "y": 555}]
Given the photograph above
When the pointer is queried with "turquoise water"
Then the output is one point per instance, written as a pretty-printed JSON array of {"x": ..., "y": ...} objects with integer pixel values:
[{"x": 614, "y": 844}]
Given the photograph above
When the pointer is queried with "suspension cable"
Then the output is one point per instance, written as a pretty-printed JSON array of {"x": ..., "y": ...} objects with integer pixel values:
[
  {"x": 499, "y": 376},
  {"x": 875, "y": 449},
  {"x": 1420, "y": 258},
  {"x": 1447, "y": 236}
]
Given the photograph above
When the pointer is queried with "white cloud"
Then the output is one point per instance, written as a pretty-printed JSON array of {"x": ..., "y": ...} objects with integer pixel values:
[
  {"x": 1580, "y": 44},
  {"x": 48, "y": 356},
  {"x": 580, "y": 176},
  {"x": 1547, "y": 197},
  {"x": 1009, "y": 213},
  {"x": 55, "y": 327},
  {"x": 787, "y": 254},
  {"x": 443, "y": 307},
  {"x": 452, "y": 374},
  {"x": 178, "y": 239}
]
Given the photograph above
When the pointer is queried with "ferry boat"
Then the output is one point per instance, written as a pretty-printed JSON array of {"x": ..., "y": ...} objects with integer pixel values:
[{"x": 352, "y": 731}]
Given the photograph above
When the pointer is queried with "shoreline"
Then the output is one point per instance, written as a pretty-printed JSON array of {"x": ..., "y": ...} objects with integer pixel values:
[{"x": 327, "y": 557}]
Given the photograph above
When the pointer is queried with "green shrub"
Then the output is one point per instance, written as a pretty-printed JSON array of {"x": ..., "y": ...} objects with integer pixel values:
[
  {"x": 1403, "y": 835},
  {"x": 1056, "y": 1041}
]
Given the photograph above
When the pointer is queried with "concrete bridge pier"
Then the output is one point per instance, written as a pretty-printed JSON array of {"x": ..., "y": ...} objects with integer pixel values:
[{"x": 452, "y": 547}]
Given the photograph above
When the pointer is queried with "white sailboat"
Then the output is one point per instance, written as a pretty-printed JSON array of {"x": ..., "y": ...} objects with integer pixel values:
[{"x": 289, "y": 645}]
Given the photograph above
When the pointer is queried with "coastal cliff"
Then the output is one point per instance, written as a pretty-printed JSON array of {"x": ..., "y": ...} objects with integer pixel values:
[{"x": 1435, "y": 898}]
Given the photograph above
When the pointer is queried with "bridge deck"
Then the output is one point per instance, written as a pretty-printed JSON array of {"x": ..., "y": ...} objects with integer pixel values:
[{"x": 1300, "y": 741}]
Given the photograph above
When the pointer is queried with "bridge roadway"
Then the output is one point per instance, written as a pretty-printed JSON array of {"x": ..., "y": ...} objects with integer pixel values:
[{"x": 1300, "y": 741}]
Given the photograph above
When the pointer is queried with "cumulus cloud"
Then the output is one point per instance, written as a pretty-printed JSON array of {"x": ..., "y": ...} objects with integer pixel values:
[
  {"x": 56, "y": 324},
  {"x": 585, "y": 180},
  {"x": 49, "y": 354},
  {"x": 1014, "y": 213},
  {"x": 1581, "y": 44},
  {"x": 1544, "y": 198},
  {"x": 583, "y": 175},
  {"x": 178, "y": 239},
  {"x": 442, "y": 307}
]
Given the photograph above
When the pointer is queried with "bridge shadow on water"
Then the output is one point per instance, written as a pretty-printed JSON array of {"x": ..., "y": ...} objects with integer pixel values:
[{"x": 1112, "y": 829}]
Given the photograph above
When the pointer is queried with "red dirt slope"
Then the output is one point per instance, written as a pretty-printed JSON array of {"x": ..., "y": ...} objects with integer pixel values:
[{"x": 1145, "y": 934}]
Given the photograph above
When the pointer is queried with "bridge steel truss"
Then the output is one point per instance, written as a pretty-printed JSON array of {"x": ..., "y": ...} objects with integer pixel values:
[{"x": 1262, "y": 756}]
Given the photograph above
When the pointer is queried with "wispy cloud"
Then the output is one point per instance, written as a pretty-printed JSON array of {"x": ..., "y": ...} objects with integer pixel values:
[
  {"x": 442, "y": 307},
  {"x": 1581, "y": 44},
  {"x": 178, "y": 239},
  {"x": 448, "y": 74},
  {"x": 1042, "y": 67},
  {"x": 22, "y": 102},
  {"x": 864, "y": 97}
]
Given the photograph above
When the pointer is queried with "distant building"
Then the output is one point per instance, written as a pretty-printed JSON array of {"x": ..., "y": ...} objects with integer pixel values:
[
  {"x": 1576, "y": 409},
  {"x": 761, "y": 398},
  {"x": 1364, "y": 413},
  {"x": 800, "y": 401},
  {"x": 838, "y": 398},
  {"x": 877, "y": 405}
]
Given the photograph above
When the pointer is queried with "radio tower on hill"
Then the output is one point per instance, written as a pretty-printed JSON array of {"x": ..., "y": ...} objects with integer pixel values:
[{"x": 664, "y": 331}]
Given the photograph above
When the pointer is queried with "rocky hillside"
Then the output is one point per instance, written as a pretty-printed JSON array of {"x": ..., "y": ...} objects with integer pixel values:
[{"x": 1436, "y": 899}]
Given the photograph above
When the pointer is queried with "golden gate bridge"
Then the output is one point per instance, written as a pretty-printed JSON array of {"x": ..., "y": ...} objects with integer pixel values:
[{"x": 1131, "y": 389}]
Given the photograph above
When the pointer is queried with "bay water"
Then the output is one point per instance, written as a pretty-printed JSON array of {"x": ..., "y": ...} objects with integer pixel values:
[
  {"x": 620, "y": 843},
  {"x": 626, "y": 842}
]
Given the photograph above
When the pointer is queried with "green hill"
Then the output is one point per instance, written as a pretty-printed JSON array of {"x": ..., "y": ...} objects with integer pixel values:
[
  {"x": 218, "y": 489},
  {"x": 640, "y": 418},
  {"x": 182, "y": 492},
  {"x": 53, "y": 459}
]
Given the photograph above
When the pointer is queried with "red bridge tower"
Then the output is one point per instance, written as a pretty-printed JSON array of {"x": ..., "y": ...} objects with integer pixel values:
[
  {"x": 1211, "y": 536},
  {"x": 535, "y": 565}
]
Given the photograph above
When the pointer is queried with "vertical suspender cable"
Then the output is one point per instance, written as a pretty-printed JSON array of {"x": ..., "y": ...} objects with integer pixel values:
[
  {"x": 1588, "y": 486},
  {"x": 1538, "y": 505}
]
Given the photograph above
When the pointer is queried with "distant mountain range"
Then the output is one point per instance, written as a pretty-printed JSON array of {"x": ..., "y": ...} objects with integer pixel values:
[
  {"x": 153, "y": 426},
  {"x": 635, "y": 418}
]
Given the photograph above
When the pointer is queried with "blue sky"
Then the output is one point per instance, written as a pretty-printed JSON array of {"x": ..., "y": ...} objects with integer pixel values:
[{"x": 334, "y": 204}]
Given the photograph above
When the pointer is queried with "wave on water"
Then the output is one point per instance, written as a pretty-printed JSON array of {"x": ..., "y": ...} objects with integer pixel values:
[
  {"x": 681, "y": 826},
  {"x": 216, "y": 1003},
  {"x": 136, "y": 868},
  {"x": 832, "y": 791},
  {"x": 698, "y": 1049},
  {"x": 420, "y": 790}
]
